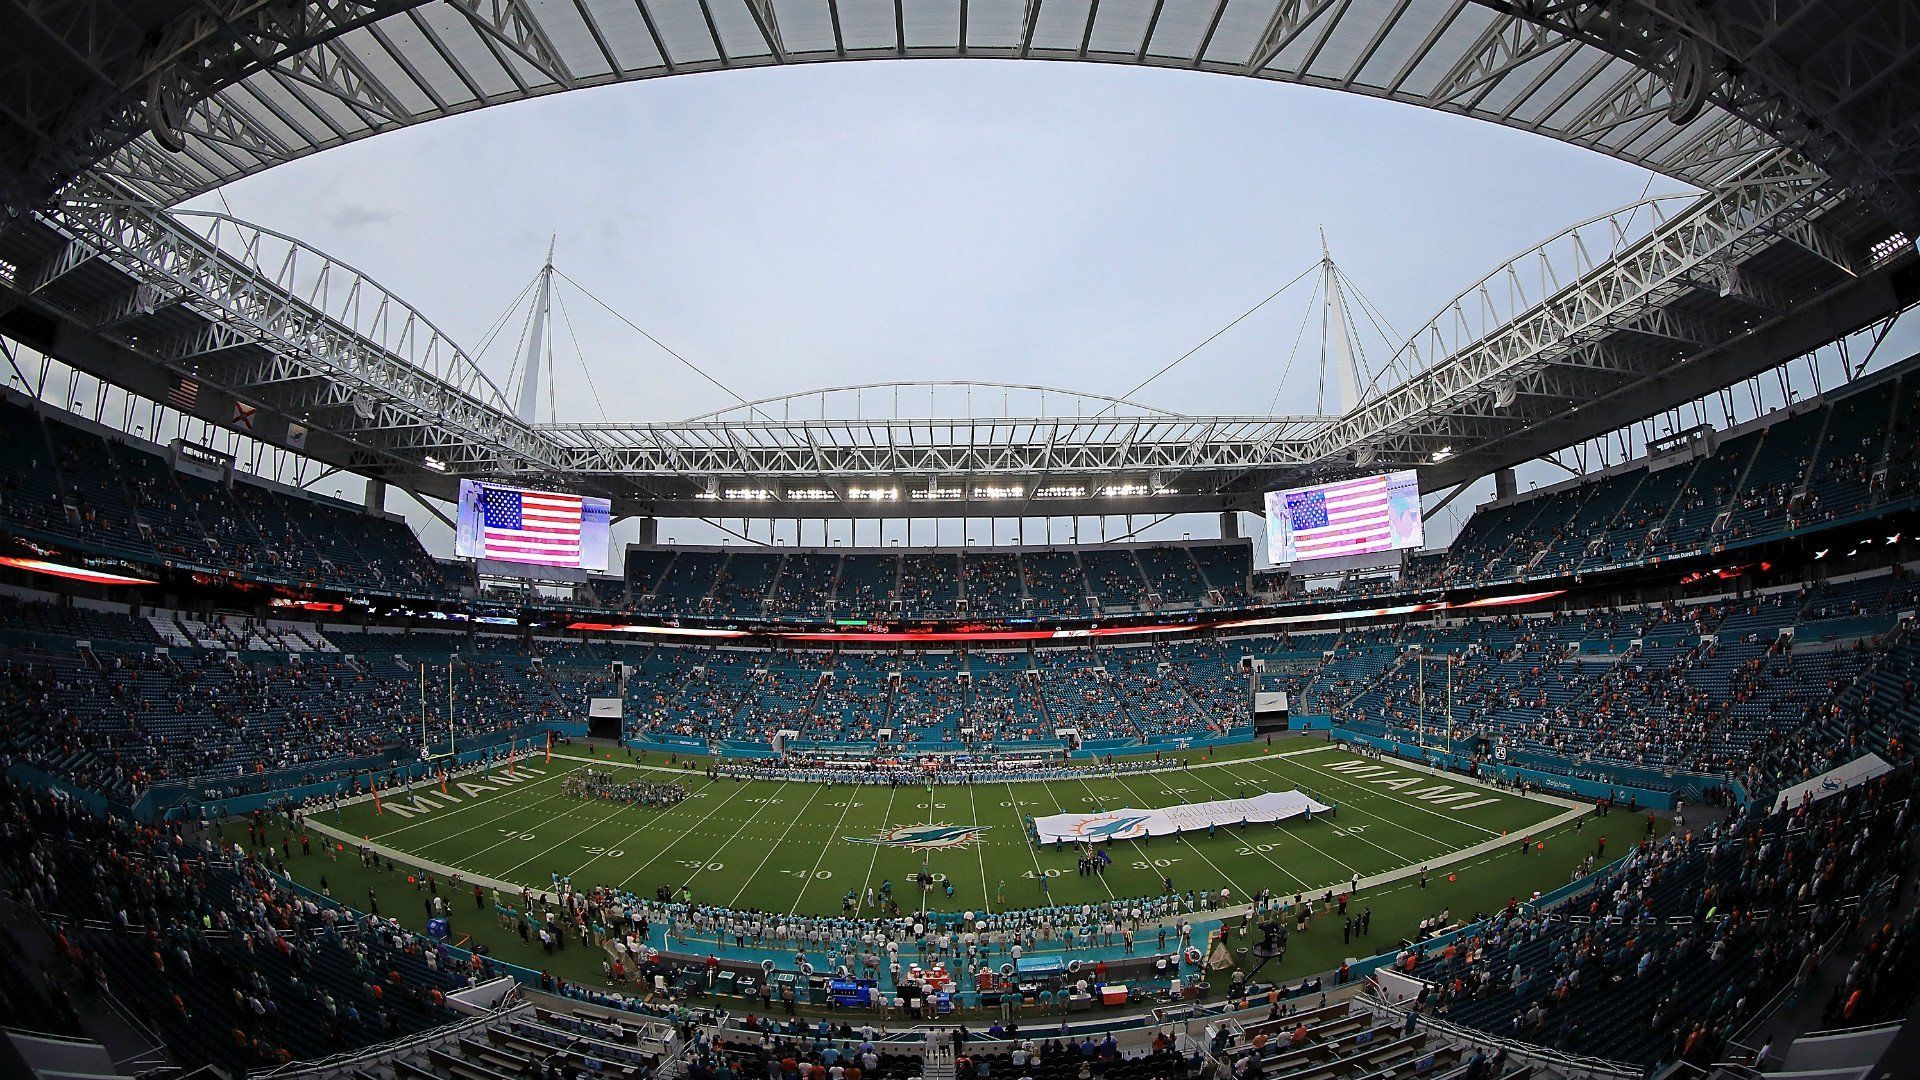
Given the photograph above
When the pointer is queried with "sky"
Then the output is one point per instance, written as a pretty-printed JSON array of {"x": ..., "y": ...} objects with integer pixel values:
[{"x": 1075, "y": 225}]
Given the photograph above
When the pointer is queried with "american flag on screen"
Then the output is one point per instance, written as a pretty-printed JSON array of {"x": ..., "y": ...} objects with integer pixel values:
[
  {"x": 530, "y": 526},
  {"x": 1350, "y": 518}
]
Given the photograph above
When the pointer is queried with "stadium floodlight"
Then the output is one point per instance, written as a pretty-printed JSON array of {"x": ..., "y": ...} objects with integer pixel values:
[
  {"x": 1889, "y": 247},
  {"x": 1441, "y": 454},
  {"x": 435, "y": 464}
]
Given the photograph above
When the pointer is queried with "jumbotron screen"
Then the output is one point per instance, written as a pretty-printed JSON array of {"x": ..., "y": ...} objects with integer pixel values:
[
  {"x": 1352, "y": 517},
  {"x": 544, "y": 528}
]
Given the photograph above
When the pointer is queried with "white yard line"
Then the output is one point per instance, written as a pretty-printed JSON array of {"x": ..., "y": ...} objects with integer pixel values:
[
  {"x": 776, "y": 845},
  {"x": 824, "y": 848},
  {"x": 718, "y": 805},
  {"x": 886, "y": 817},
  {"x": 980, "y": 850},
  {"x": 469, "y": 802},
  {"x": 1020, "y": 817},
  {"x": 1255, "y": 848},
  {"x": 551, "y": 848},
  {"x": 1225, "y": 878},
  {"x": 1061, "y": 807},
  {"x": 714, "y": 856}
]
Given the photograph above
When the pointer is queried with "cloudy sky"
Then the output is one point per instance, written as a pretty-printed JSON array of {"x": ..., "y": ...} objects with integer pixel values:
[{"x": 1074, "y": 225}]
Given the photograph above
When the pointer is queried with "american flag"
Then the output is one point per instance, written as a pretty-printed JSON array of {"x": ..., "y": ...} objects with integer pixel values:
[
  {"x": 1349, "y": 518},
  {"x": 530, "y": 526},
  {"x": 183, "y": 393}
]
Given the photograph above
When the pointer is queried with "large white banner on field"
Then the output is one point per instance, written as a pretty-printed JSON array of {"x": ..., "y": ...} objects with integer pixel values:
[
  {"x": 1833, "y": 781},
  {"x": 1131, "y": 824}
]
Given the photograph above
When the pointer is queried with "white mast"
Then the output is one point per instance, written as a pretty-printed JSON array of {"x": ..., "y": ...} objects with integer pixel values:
[
  {"x": 536, "y": 344},
  {"x": 1336, "y": 336}
]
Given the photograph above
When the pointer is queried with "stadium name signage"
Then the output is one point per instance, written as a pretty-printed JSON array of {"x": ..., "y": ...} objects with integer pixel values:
[
  {"x": 426, "y": 802},
  {"x": 1445, "y": 795}
]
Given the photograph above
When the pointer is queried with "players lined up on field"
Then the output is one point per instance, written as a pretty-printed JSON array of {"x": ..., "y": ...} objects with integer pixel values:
[
  {"x": 593, "y": 783},
  {"x": 935, "y": 771},
  {"x": 602, "y": 915}
]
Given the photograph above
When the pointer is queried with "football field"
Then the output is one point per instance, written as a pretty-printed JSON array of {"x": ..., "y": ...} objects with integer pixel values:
[{"x": 800, "y": 847}]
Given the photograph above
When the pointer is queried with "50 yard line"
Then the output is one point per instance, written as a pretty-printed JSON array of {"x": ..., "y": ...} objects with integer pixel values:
[{"x": 980, "y": 849}]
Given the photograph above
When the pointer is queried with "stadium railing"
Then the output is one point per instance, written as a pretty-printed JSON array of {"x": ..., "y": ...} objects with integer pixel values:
[
  {"x": 1571, "y": 1066},
  {"x": 349, "y": 1063}
]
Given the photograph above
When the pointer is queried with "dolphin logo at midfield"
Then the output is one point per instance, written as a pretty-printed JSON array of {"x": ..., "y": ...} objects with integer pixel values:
[{"x": 924, "y": 837}]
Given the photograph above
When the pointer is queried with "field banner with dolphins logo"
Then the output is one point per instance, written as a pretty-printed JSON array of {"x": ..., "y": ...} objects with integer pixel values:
[
  {"x": 1832, "y": 782},
  {"x": 1131, "y": 824}
]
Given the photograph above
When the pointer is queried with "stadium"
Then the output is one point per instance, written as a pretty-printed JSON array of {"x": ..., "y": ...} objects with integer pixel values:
[{"x": 368, "y": 715}]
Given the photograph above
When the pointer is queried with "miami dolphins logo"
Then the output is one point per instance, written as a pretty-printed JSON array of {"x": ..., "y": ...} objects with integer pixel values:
[
  {"x": 1101, "y": 827},
  {"x": 924, "y": 837}
]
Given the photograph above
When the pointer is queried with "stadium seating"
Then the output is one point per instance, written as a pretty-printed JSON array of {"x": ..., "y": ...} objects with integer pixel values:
[
  {"x": 104, "y": 494},
  {"x": 214, "y": 953},
  {"x": 1659, "y": 959},
  {"x": 1709, "y": 687},
  {"x": 1832, "y": 458},
  {"x": 1760, "y": 688},
  {"x": 1823, "y": 461}
]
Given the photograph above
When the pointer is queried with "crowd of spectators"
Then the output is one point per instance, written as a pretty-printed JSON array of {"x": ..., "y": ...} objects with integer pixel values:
[
  {"x": 1723, "y": 687},
  {"x": 208, "y": 947},
  {"x": 100, "y": 491},
  {"x": 1673, "y": 948}
]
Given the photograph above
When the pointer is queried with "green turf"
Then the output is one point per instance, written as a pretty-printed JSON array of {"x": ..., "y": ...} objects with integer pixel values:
[
  {"x": 1480, "y": 883},
  {"x": 784, "y": 846}
]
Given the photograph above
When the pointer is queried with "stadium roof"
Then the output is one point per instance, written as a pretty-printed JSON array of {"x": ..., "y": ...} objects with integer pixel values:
[
  {"x": 229, "y": 89},
  {"x": 1799, "y": 120}
]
